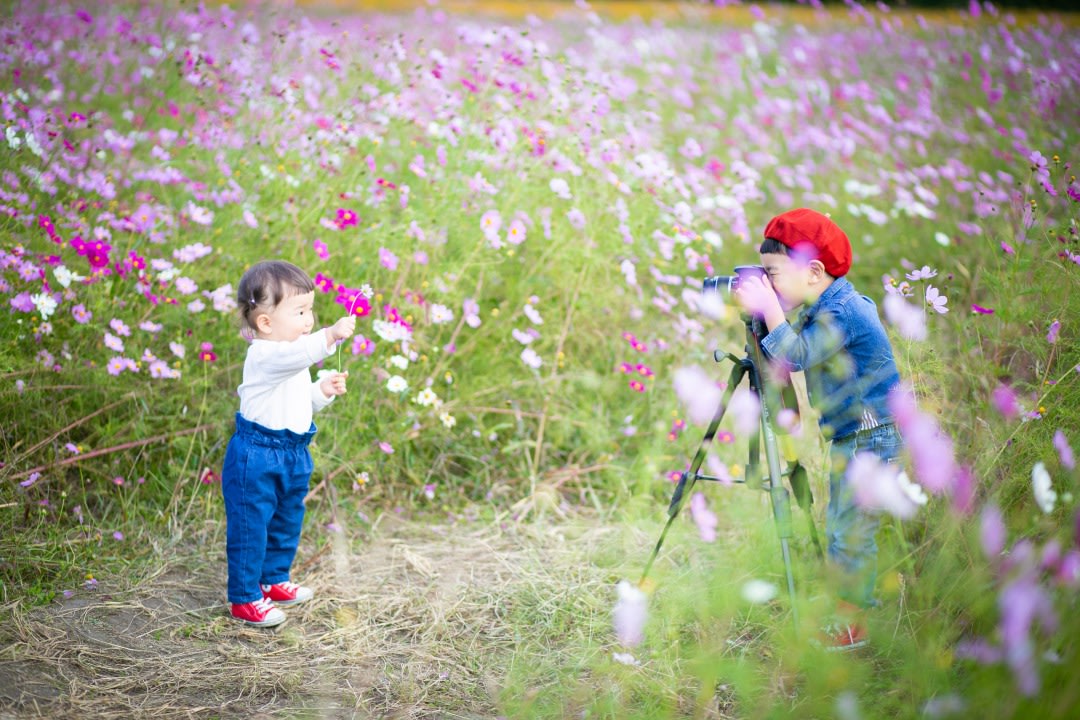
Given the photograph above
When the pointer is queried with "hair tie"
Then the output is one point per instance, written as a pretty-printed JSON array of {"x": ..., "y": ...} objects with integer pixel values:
[{"x": 252, "y": 300}]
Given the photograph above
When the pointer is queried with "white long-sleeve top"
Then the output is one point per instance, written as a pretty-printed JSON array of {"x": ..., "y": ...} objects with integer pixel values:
[{"x": 277, "y": 391}]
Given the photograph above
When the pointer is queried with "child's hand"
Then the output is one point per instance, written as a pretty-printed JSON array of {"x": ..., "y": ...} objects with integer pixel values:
[
  {"x": 334, "y": 384},
  {"x": 343, "y": 328},
  {"x": 757, "y": 297}
]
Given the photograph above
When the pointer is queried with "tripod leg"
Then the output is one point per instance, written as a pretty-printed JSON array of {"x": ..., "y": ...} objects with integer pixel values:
[
  {"x": 689, "y": 478},
  {"x": 800, "y": 487}
]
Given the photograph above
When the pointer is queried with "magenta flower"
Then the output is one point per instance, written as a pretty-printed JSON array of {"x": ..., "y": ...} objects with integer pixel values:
[
  {"x": 1007, "y": 248},
  {"x": 386, "y": 447},
  {"x": 1004, "y": 400},
  {"x": 346, "y": 218},
  {"x": 320, "y": 249},
  {"x": 979, "y": 309}
]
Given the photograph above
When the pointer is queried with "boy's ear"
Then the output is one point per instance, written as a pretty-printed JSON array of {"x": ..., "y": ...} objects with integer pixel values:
[{"x": 817, "y": 270}]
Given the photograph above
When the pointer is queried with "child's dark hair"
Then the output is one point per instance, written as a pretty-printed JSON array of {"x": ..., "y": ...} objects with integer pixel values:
[
  {"x": 773, "y": 247},
  {"x": 266, "y": 284}
]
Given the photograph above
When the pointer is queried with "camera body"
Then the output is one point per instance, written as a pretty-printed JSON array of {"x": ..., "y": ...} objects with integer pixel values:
[{"x": 727, "y": 284}]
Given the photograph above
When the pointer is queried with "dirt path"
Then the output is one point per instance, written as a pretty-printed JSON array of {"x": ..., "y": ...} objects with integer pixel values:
[{"x": 417, "y": 625}]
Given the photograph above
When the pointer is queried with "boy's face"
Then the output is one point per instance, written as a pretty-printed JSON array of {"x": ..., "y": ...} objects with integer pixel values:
[
  {"x": 792, "y": 280},
  {"x": 292, "y": 318}
]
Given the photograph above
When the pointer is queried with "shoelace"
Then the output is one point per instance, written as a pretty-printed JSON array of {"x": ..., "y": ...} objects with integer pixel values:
[
  {"x": 264, "y": 605},
  {"x": 288, "y": 586}
]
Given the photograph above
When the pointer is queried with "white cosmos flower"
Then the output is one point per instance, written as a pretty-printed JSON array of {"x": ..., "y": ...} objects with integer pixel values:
[
  {"x": 396, "y": 384},
  {"x": 758, "y": 591},
  {"x": 1045, "y": 497},
  {"x": 399, "y": 361},
  {"x": 427, "y": 397}
]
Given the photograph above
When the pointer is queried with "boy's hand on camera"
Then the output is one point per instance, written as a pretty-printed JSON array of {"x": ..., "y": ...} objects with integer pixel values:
[
  {"x": 343, "y": 328},
  {"x": 334, "y": 384},
  {"x": 757, "y": 297}
]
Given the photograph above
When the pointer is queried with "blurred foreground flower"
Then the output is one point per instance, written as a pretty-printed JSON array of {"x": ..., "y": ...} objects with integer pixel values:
[{"x": 629, "y": 614}]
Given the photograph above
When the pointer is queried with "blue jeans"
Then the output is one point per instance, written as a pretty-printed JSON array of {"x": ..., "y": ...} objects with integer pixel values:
[
  {"x": 264, "y": 481},
  {"x": 851, "y": 531}
]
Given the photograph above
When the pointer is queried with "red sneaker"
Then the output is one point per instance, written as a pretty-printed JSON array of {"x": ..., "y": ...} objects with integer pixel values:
[
  {"x": 844, "y": 637},
  {"x": 260, "y": 613},
  {"x": 286, "y": 593}
]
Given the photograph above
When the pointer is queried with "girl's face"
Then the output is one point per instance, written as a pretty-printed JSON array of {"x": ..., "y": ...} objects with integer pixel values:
[{"x": 292, "y": 318}]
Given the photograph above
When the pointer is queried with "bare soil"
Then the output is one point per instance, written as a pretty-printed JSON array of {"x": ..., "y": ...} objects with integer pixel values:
[{"x": 416, "y": 625}]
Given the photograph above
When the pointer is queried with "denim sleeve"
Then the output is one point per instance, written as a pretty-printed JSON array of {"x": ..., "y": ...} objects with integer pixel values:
[{"x": 818, "y": 341}]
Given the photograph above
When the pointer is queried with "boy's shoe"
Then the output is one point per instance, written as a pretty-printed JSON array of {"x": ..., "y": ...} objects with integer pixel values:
[
  {"x": 847, "y": 630},
  {"x": 843, "y": 637},
  {"x": 286, "y": 593},
  {"x": 260, "y": 613}
]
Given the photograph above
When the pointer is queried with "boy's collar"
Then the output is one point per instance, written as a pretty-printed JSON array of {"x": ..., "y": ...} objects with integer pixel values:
[{"x": 837, "y": 286}]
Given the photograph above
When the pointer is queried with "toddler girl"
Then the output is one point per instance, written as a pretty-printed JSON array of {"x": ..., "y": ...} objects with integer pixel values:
[{"x": 267, "y": 464}]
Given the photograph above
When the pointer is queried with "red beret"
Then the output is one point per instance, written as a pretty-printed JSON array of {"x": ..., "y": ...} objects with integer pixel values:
[{"x": 811, "y": 232}]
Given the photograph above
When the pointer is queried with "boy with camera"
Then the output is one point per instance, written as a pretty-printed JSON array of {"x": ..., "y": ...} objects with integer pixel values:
[{"x": 839, "y": 342}]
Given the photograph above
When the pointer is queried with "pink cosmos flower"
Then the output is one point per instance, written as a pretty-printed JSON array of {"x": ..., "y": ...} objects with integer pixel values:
[
  {"x": 81, "y": 314},
  {"x": 362, "y": 346},
  {"x": 703, "y": 517},
  {"x": 320, "y": 249},
  {"x": 1007, "y": 248},
  {"x": 490, "y": 222},
  {"x": 386, "y": 447},
  {"x": 388, "y": 259},
  {"x": 576, "y": 218},
  {"x": 698, "y": 392},
  {"x": 936, "y": 300},
  {"x": 908, "y": 320},
  {"x": 879, "y": 487},
  {"x": 515, "y": 234},
  {"x": 980, "y": 310},
  {"x": 531, "y": 358},
  {"x": 471, "y": 310},
  {"x": 1065, "y": 451}
]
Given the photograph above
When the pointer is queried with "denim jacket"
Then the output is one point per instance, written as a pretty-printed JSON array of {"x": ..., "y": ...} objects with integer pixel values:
[{"x": 840, "y": 343}]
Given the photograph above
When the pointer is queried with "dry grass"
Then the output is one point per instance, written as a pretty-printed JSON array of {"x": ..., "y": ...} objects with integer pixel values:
[{"x": 416, "y": 624}]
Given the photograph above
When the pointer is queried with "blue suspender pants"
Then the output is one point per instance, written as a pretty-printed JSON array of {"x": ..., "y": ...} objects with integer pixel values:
[{"x": 264, "y": 481}]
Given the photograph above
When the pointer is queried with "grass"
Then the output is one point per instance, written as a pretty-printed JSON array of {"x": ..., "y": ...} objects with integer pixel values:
[{"x": 471, "y": 572}]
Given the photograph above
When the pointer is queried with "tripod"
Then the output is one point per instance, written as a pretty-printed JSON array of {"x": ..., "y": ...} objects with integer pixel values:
[{"x": 749, "y": 366}]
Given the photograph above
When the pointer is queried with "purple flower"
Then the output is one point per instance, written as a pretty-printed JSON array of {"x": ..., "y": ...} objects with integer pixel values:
[
  {"x": 388, "y": 259},
  {"x": 1065, "y": 451},
  {"x": 576, "y": 218},
  {"x": 1023, "y": 603},
  {"x": 81, "y": 314},
  {"x": 992, "y": 532},
  {"x": 1052, "y": 334},
  {"x": 703, "y": 517},
  {"x": 22, "y": 302}
]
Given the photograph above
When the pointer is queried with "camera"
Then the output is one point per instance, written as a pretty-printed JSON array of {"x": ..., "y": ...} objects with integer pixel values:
[{"x": 727, "y": 284}]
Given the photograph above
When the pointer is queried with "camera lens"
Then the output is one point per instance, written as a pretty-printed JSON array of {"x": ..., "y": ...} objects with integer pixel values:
[{"x": 722, "y": 284}]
